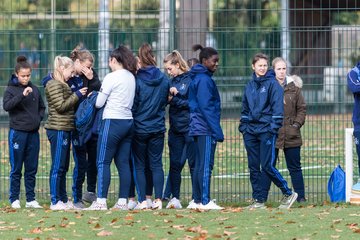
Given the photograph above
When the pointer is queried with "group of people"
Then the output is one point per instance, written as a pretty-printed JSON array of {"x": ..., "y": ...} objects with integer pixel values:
[{"x": 129, "y": 127}]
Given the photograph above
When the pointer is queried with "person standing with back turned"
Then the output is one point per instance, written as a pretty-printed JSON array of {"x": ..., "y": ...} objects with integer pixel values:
[
  {"x": 261, "y": 117},
  {"x": 205, "y": 111},
  {"x": 151, "y": 97}
]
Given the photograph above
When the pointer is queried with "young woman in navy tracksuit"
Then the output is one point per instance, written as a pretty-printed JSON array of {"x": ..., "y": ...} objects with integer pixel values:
[
  {"x": 61, "y": 104},
  {"x": 85, "y": 154},
  {"x": 353, "y": 83},
  {"x": 26, "y": 109},
  {"x": 152, "y": 89},
  {"x": 205, "y": 111},
  {"x": 261, "y": 117},
  {"x": 116, "y": 131},
  {"x": 181, "y": 146}
]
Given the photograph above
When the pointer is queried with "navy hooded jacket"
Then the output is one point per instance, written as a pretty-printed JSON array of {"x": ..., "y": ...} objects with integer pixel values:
[
  {"x": 262, "y": 105},
  {"x": 151, "y": 96},
  {"x": 26, "y": 112},
  {"x": 179, "y": 115},
  {"x": 353, "y": 82},
  {"x": 204, "y": 103}
]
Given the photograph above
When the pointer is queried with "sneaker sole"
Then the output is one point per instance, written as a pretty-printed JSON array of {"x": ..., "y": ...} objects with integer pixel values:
[{"x": 355, "y": 191}]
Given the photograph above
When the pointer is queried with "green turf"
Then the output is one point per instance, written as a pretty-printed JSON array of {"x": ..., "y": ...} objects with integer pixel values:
[{"x": 326, "y": 221}]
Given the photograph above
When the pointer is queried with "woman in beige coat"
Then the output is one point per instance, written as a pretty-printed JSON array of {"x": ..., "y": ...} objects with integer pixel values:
[{"x": 289, "y": 135}]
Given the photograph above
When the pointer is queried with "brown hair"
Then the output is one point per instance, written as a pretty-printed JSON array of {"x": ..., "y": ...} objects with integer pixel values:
[
  {"x": 259, "y": 56},
  {"x": 175, "y": 58},
  {"x": 146, "y": 55},
  {"x": 82, "y": 54},
  {"x": 125, "y": 57}
]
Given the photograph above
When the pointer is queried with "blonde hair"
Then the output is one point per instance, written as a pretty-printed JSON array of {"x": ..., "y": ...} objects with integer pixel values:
[
  {"x": 276, "y": 60},
  {"x": 175, "y": 58},
  {"x": 59, "y": 62}
]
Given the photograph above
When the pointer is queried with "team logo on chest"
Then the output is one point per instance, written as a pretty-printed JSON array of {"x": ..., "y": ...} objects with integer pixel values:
[
  {"x": 182, "y": 87},
  {"x": 262, "y": 90}
]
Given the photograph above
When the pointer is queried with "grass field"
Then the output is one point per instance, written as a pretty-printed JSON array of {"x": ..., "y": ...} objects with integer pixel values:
[
  {"x": 325, "y": 221},
  {"x": 323, "y": 149}
]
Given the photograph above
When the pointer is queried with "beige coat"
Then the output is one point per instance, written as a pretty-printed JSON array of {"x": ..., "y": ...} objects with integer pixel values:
[
  {"x": 61, "y": 102},
  {"x": 294, "y": 114}
]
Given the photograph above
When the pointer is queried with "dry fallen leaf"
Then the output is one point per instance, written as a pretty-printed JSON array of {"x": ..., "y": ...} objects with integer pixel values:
[
  {"x": 129, "y": 217},
  {"x": 227, "y": 233},
  {"x": 104, "y": 233},
  {"x": 97, "y": 226},
  {"x": 114, "y": 221},
  {"x": 36, "y": 230},
  {"x": 178, "y": 227}
]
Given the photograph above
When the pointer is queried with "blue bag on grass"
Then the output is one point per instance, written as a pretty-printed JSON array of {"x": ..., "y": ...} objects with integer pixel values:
[{"x": 336, "y": 185}]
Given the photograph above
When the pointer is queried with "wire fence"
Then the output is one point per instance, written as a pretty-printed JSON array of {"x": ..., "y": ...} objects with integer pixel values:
[{"x": 319, "y": 39}]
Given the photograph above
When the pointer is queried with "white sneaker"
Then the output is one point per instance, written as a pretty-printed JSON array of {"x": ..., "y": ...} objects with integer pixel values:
[
  {"x": 210, "y": 206},
  {"x": 96, "y": 206},
  {"x": 16, "y": 204},
  {"x": 58, "y": 206},
  {"x": 33, "y": 204},
  {"x": 141, "y": 206},
  {"x": 132, "y": 204},
  {"x": 174, "y": 203},
  {"x": 156, "y": 204},
  {"x": 149, "y": 203},
  {"x": 118, "y": 206},
  {"x": 288, "y": 200},
  {"x": 193, "y": 205},
  {"x": 68, "y": 205}
]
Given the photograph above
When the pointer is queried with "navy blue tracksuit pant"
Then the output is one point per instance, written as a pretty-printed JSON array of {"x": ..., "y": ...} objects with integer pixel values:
[
  {"x": 114, "y": 142},
  {"x": 85, "y": 161},
  {"x": 148, "y": 149},
  {"x": 60, "y": 156},
  {"x": 181, "y": 147},
  {"x": 292, "y": 158},
  {"x": 204, "y": 162},
  {"x": 24, "y": 149},
  {"x": 261, "y": 153}
]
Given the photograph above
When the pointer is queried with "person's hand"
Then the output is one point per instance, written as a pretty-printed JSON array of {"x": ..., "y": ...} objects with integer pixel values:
[
  {"x": 88, "y": 72},
  {"x": 83, "y": 90},
  {"x": 296, "y": 125},
  {"x": 170, "y": 97},
  {"x": 27, "y": 91},
  {"x": 173, "y": 91}
]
